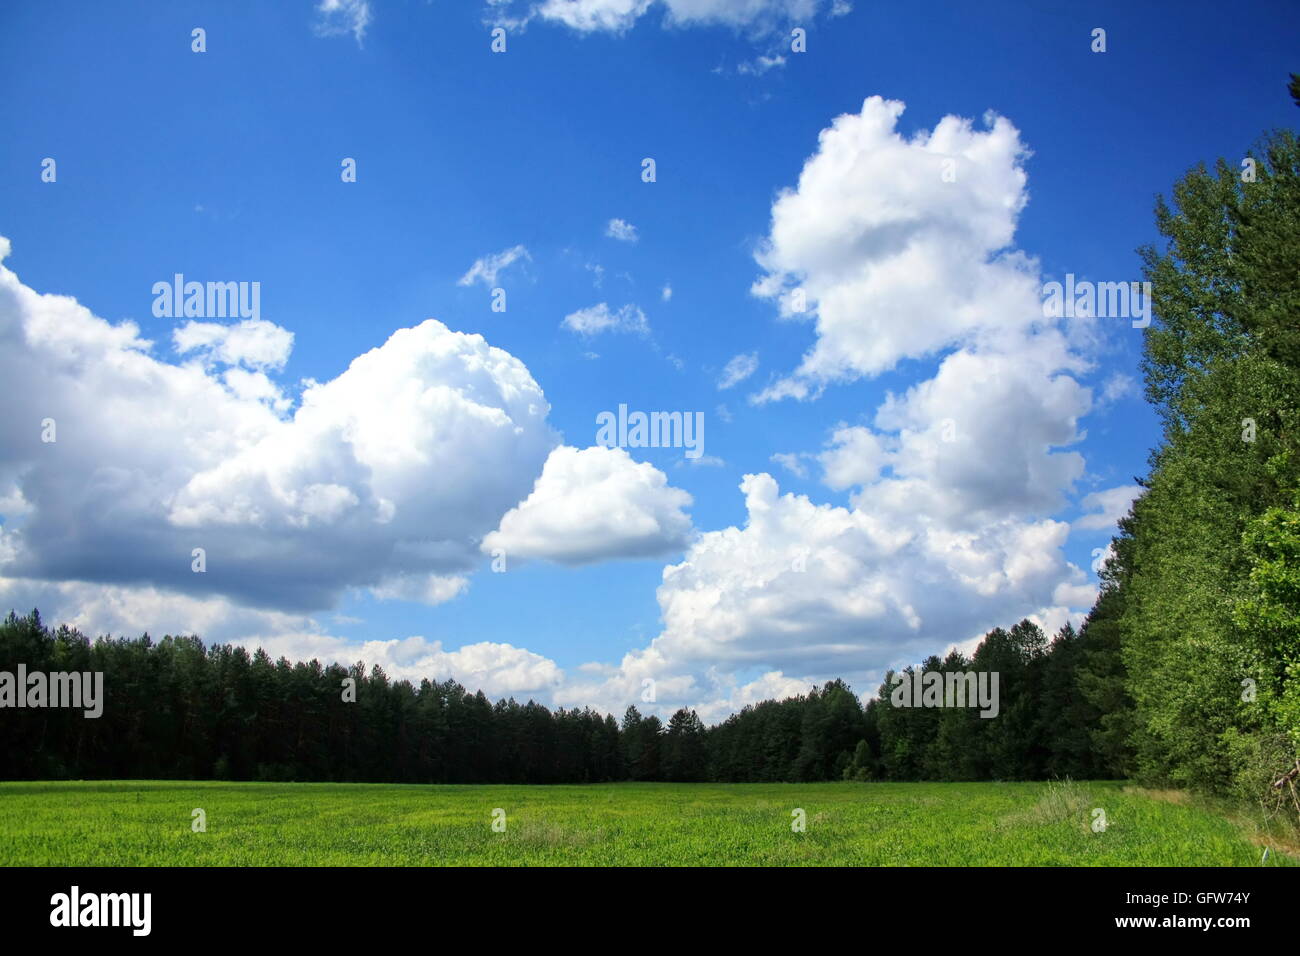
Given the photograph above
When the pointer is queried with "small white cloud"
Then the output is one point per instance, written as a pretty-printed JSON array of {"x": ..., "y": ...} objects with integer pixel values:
[
  {"x": 704, "y": 461},
  {"x": 254, "y": 342},
  {"x": 595, "y": 504},
  {"x": 621, "y": 230},
  {"x": 667, "y": 292},
  {"x": 791, "y": 462},
  {"x": 598, "y": 318},
  {"x": 738, "y": 369},
  {"x": 1116, "y": 387},
  {"x": 485, "y": 270},
  {"x": 428, "y": 589},
  {"x": 760, "y": 65}
]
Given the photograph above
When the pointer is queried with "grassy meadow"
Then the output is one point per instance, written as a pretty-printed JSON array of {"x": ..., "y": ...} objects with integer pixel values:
[{"x": 148, "y": 823}]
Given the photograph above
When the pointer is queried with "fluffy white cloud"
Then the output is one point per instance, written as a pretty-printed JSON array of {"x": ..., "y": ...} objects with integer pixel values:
[
  {"x": 499, "y": 670},
  {"x": 393, "y": 471},
  {"x": 904, "y": 271},
  {"x": 486, "y": 268},
  {"x": 599, "y": 318},
  {"x": 953, "y": 484},
  {"x": 804, "y": 592},
  {"x": 621, "y": 230},
  {"x": 982, "y": 440},
  {"x": 595, "y": 504},
  {"x": 738, "y": 369},
  {"x": 254, "y": 342}
]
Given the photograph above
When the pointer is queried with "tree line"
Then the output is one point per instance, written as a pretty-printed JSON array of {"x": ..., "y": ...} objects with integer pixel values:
[{"x": 176, "y": 708}]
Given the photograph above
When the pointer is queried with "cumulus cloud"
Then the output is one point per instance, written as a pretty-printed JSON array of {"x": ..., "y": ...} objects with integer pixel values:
[
  {"x": 906, "y": 271},
  {"x": 621, "y": 230},
  {"x": 396, "y": 467},
  {"x": 254, "y": 342},
  {"x": 985, "y": 438},
  {"x": 805, "y": 592},
  {"x": 738, "y": 369},
  {"x": 599, "y": 318},
  {"x": 595, "y": 504},
  {"x": 485, "y": 269},
  {"x": 952, "y": 484}
]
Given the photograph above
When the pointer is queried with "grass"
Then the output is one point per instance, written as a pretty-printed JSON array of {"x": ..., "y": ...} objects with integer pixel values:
[{"x": 148, "y": 823}]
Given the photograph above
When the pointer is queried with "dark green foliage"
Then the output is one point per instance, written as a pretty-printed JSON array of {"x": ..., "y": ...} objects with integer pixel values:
[
  {"x": 175, "y": 709},
  {"x": 1201, "y": 595}
]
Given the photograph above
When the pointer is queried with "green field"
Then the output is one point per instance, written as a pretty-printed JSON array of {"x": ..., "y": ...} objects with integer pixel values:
[{"x": 144, "y": 823}]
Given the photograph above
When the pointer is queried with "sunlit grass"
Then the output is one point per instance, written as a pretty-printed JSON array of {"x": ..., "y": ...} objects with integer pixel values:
[{"x": 147, "y": 823}]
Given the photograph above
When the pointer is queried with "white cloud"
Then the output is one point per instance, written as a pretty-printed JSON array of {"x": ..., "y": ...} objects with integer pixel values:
[
  {"x": 621, "y": 230},
  {"x": 792, "y": 463},
  {"x": 618, "y": 16},
  {"x": 595, "y": 504},
  {"x": 1108, "y": 507},
  {"x": 952, "y": 485},
  {"x": 667, "y": 292},
  {"x": 905, "y": 271},
  {"x": 588, "y": 15},
  {"x": 760, "y": 65},
  {"x": 805, "y": 592},
  {"x": 428, "y": 589},
  {"x": 738, "y": 369},
  {"x": 981, "y": 440},
  {"x": 254, "y": 342},
  {"x": 598, "y": 318},
  {"x": 339, "y": 17},
  {"x": 1117, "y": 386},
  {"x": 396, "y": 467},
  {"x": 485, "y": 269}
]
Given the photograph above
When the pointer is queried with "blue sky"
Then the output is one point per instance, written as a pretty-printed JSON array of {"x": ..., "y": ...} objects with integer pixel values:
[{"x": 325, "y": 537}]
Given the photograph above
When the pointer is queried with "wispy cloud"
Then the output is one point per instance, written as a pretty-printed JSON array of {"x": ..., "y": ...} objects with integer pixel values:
[
  {"x": 738, "y": 369},
  {"x": 599, "y": 318},
  {"x": 341, "y": 17},
  {"x": 485, "y": 269}
]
